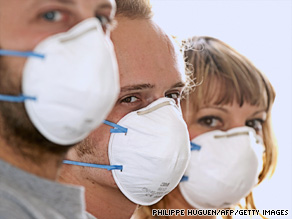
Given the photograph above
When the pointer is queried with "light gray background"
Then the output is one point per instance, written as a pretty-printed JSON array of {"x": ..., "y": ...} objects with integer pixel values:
[{"x": 262, "y": 31}]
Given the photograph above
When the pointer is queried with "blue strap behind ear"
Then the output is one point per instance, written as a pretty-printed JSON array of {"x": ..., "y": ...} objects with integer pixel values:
[
  {"x": 116, "y": 128},
  {"x": 184, "y": 178},
  {"x": 20, "y": 54},
  {"x": 20, "y": 98},
  {"x": 195, "y": 147},
  {"x": 108, "y": 167}
]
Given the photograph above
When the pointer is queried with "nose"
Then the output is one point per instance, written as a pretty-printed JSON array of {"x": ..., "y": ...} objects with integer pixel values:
[
  {"x": 153, "y": 98},
  {"x": 236, "y": 122}
]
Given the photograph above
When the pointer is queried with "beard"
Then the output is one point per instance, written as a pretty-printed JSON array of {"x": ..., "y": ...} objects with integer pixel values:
[{"x": 16, "y": 129}]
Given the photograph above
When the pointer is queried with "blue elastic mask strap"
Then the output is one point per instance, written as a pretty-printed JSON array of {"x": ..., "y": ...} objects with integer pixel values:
[
  {"x": 108, "y": 167},
  {"x": 116, "y": 128},
  {"x": 20, "y": 98},
  {"x": 20, "y": 54},
  {"x": 195, "y": 147},
  {"x": 184, "y": 178}
]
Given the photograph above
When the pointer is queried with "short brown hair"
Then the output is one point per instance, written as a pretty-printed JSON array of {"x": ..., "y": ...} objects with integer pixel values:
[{"x": 134, "y": 9}]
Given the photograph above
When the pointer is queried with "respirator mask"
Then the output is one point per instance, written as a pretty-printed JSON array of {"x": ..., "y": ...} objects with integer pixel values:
[
  {"x": 223, "y": 169},
  {"x": 70, "y": 82},
  {"x": 148, "y": 150}
]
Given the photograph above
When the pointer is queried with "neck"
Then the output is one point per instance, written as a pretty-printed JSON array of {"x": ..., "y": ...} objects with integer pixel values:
[
  {"x": 42, "y": 164},
  {"x": 102, "y": 200},
  {"x": 112, "y": 203},
  {"x": 177, "y": 201}
]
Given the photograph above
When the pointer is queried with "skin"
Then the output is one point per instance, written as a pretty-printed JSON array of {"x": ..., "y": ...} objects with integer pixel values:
[
  {"x": 149, "y": 70},
  {"x": 23, "y": 24},
  {"x": 216, "y": 117}
]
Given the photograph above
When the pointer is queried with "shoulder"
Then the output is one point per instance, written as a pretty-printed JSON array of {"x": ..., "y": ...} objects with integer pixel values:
[
  {"x": 11, "y": 209},
  {"x": 15, "y": 205},
  {"x": 90, "y": 216}
]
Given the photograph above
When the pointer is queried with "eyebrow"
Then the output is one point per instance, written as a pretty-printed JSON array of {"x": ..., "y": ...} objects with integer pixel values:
[
  {"x": 215, "y": 107},
  {"x": 226, "y": 111},
  {"x": 39, "y": 2},
  {"x": 178, "y": 84},
  {"x": 61, "y": 1},
  {"x": 67, "y": 1},
  {"x": 259, "y": 111},
  {"x": 147, "y": 86},
  {"x": 105, "y": 6},
  {"x": 137, "y": 87}
]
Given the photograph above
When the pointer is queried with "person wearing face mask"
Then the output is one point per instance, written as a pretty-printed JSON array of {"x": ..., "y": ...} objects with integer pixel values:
[
  {"x": 141, "y": 151},
  {"x": 229, "y": 120},
  {"x": 59, "y": 80}
]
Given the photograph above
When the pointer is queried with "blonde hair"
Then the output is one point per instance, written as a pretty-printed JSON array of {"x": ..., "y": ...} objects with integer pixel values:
[
  {"x": 211, "y": 61},
  {"x": 134, "y": 9}
]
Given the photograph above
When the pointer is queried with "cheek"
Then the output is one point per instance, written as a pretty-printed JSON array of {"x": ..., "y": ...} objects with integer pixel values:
[
  {"x": 13, "y": 30},
  {"x": 193, "y": 128},
  {"x": 99, "y": 138},
  {"x": 11, "y": 74},
  {"x": 194, "y": 131},
  {"x": 118, "y": 112},
  {"x": 23, "y": 34},
  {"x": 98, "y": 141},
  {"x": 260, "y": 133},
  {"x": 18, "y": 36}
]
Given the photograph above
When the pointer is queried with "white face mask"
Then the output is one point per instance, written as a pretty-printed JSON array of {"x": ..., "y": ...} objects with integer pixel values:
[
  {"x": 152, "y": 147},
  {"x": 70, "y": 82},
  {"x": 223, "y": 169}
]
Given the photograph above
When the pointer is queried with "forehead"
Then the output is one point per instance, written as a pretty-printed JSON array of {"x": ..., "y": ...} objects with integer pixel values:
[
  {"x": 25, "y": 6},
  {"x": 145, "y": 53},
  {"x": 29, "y": 2},
  {"x": 223, "y": 92}
]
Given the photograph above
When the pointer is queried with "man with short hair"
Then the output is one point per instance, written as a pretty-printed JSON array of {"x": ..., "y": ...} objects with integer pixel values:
[
  {"x": 31, "y": 152},
  {"x": 152, "y": 80}
]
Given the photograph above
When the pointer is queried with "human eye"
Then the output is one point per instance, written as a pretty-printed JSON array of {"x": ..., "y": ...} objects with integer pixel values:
[
  {"x": 103, "y": 20},
  {"x": 174, "y": 95},
  {"x": 129, "y": 99},
  {"x": 106, "y": 23},
  {"x": 210, "y": 122},
  {"x": 256, "y": 124},
  {"x": 53, "y": 16}
]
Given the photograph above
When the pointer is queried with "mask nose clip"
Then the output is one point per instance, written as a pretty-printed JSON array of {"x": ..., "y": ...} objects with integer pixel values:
[{"x": 155, "y": 107}]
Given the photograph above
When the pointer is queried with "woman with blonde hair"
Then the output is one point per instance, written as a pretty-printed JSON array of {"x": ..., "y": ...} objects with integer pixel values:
[{"x": 229, "y": 121}]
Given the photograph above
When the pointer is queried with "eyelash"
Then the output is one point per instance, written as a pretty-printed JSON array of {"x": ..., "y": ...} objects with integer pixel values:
[
  {"x": 123, "y": 100},
  {"x": 55, "y": 11},
  {"x": 103, "y": 19},
  {"x": 254, "y": 125},
  {"x": 176, "y": 98},
  {"x": 50, "y": 15},
  {"x": 203, "y": 120},
  {"x": 106, "y": 23}
]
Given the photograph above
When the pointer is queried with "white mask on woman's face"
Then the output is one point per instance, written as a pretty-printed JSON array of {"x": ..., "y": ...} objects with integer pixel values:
[{"x": 223, "y": 169}]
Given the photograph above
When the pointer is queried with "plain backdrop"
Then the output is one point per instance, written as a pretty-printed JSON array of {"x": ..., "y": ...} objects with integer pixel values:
[{"x": 262, "y": 31}]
